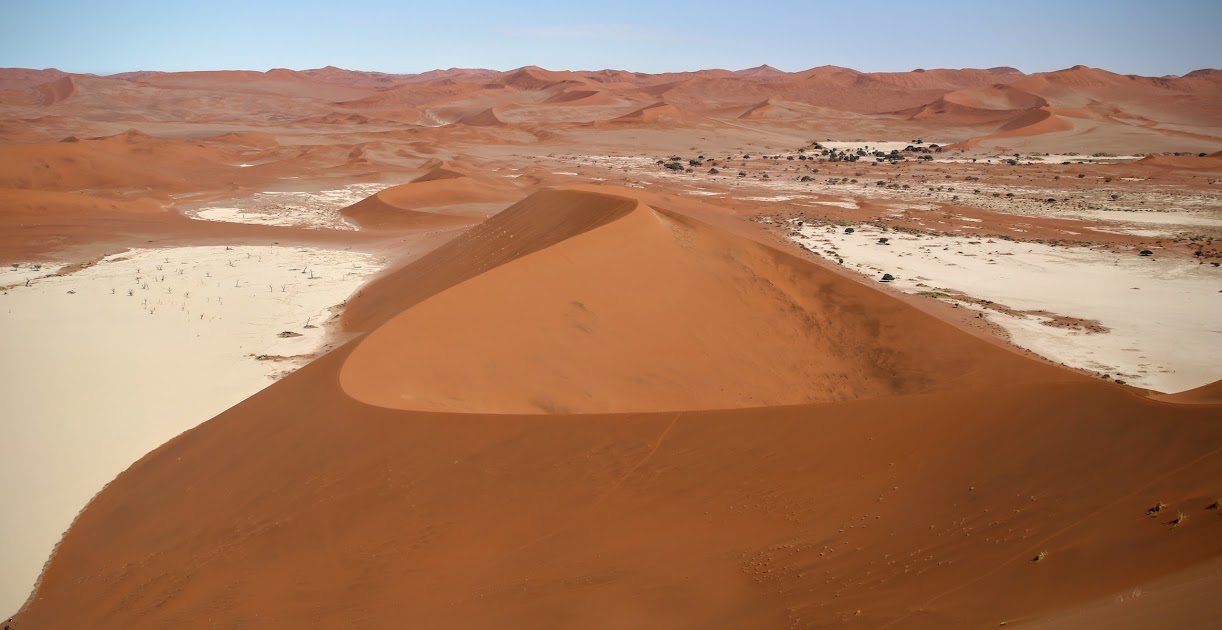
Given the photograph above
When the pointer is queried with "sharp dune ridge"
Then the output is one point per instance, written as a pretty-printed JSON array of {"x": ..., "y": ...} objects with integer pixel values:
[{"x": 590, "y": 389}]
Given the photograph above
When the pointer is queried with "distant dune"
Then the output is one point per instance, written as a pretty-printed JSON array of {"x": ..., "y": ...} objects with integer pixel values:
[{"x": 484, "y": 118}]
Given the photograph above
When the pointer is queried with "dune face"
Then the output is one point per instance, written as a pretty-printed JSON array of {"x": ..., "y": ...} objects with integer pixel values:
[
  {"x": 705, "y": 349},
  {"x": 727, "y": 323}
]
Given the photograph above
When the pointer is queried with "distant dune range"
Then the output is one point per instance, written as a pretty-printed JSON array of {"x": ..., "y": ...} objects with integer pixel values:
[
  {"x": 582, "y": 397},
  {"x": 999, "y": 106}
]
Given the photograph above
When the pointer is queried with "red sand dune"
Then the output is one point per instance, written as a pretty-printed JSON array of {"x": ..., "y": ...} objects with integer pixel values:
[
  {"x": 660, "y": 112},
  {"x": 337, "y": 118},
  {"x": 582, "y": 98},
  {"x": 764, "y": 71},
  {"x": 908, "y": 500},
  {"x": 130, "y": 160},
  {"x": 1212, "y": 162},
  {"x": 21, "y": 78},
  {"x": 274, "y": 82},
  {"x": 998, "y": 96},
  {"x": 587, "y": 311},
  {"x": 441, "y": 186},
  {"x": 484, "y": 118},
  {"x": 57, "y": 91},
  {"x": 535, "y": 78},
  {"x": 1034, "y": 122},
  {"x": 772, "y": 108}
]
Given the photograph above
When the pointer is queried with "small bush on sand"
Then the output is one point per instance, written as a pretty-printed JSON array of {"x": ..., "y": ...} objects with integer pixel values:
[
  {"x": 888, "y": 277},
  {"x": 1039, "y": 557}
]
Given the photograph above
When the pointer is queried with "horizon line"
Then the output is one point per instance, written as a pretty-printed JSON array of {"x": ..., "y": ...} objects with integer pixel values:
[{"x": 764, "y": 66}]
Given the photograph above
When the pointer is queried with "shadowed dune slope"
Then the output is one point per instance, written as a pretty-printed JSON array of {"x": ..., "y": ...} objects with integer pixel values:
[
  {"x": 656, "y": 112},
  {"x": 484, "y": 118},
  {"x": 656, "y": 311}
]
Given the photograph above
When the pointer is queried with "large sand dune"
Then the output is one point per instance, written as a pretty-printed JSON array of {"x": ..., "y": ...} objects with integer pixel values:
[
  {"x": 725, "y": 322},
  {"x": 901, "y": 508}
]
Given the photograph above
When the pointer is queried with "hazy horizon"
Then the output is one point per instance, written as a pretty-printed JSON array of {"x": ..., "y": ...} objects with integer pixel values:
[{"x": 1126, "y": 37}]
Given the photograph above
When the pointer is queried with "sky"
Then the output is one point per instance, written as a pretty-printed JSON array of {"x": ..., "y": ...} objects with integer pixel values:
[{"x": 1126, "y": 36}]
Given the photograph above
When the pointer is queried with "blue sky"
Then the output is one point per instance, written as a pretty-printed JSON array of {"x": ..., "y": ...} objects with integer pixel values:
[{"x": 1149, "y": 38}]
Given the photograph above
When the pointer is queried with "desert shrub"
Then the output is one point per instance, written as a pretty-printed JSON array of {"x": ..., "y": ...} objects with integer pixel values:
[
  {"x": 674, "y": 166},
  {"x": 888, "y": 277},
  {"x": 849, "y": 230},
  {"x": 713, "y": 171}
]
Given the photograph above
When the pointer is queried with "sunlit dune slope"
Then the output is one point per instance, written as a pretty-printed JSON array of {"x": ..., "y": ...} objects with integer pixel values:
[{"x": 302, "y": 507}]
